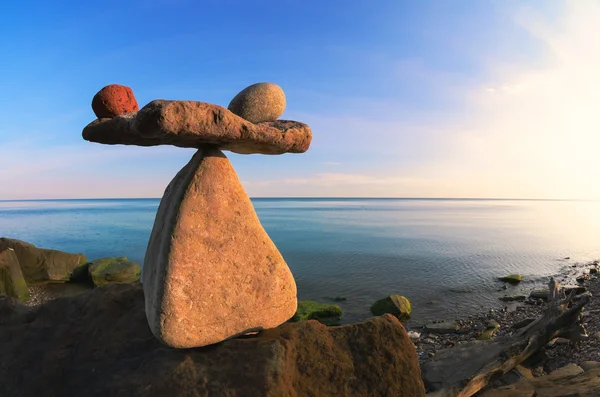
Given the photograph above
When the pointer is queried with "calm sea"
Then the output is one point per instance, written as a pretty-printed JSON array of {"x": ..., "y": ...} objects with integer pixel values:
[{"x": 444, "y": 255}]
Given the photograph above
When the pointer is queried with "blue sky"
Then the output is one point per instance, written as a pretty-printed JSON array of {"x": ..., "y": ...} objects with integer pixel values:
[{"x": 405, "y": 99}]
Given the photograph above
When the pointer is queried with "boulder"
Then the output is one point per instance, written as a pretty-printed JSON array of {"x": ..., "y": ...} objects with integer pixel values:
[
  {"x": 195, "y": 124},
  {"x": 42, "y": 265},
  {"x": 113, "y": 270},
  {"x": 512, "y": 278},
  {"x": 259, "y": 102},
  {"x": 12, "y": 282},
  {"x": 211, "y": 272},
  {"x": 98, "y": 344},
  {"x": 323, "y": 312},
  {"x": 395, "y": 305},
  {"x": 114, "y": 100}
]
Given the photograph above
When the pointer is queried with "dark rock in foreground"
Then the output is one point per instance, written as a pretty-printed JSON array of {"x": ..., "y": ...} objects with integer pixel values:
[{"x": 99, "y": 344}]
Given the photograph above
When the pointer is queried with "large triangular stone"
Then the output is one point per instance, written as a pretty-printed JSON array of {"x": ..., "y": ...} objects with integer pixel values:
[{"x": 211, "y": 272}]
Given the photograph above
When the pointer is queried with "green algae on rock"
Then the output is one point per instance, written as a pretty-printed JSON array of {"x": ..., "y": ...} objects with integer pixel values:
[
  {"x": 396, "y": 305},
  {"x": 490, "y": 330},
  {"x": 325, "y": 313},
  {"x": 12, "y": 282},
  {"x": 512, "y": 278},
  {"x": 113, "y": 270}
]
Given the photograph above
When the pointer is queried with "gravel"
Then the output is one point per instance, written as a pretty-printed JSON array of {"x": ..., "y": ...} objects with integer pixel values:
[
  {"x": 39, "y": 294},
  {"x": 553, "y": 356}
]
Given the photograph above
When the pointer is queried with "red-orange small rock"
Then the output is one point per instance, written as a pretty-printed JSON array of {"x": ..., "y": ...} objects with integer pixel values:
[{"x": 113, "y": 100}]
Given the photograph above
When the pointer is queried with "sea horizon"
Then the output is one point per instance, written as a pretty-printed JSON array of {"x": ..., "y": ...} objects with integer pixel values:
[{"x": 325, "y": 198}]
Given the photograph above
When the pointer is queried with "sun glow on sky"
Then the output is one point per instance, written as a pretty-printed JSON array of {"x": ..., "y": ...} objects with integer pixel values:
[{"x": 462, "y": 110}]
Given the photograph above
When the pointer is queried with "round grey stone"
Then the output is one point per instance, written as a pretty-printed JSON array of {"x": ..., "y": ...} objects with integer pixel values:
[{"x": 259, "y": 102}]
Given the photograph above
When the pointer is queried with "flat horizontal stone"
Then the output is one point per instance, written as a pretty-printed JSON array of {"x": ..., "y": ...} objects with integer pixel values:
[{"x": 194, "y": 124}]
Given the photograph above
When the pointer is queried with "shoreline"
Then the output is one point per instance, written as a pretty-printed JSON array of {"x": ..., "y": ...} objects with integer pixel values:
[
  {"x": 429, "y": 342},
  {"x": 510, "y": 319},
  {"x": 556, "y": 354}
]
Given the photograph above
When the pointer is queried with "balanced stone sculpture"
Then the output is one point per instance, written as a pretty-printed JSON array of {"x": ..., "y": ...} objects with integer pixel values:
[{"x": 210, "y": 272}]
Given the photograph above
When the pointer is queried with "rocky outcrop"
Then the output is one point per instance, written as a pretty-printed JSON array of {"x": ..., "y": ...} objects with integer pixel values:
[
  {"x": 42, "y": 265},
  {"x": 396, "y": 305},
  {"x": 113, "y": 100},
  {"x": 99, "y": 344},
  {"x": 194, "y": 124},
  {"x": 113, "y": 270},
  {"x": 211, "y": 272},
  {"x": 12, "y": 282},
  {"x": 259, "y": 102}
]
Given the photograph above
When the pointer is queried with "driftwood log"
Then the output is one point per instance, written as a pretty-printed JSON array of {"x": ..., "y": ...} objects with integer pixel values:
[{"x": 465, "y": 370}]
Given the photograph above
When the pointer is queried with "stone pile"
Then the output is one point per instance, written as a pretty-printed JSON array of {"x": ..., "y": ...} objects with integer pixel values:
[{"x": 211, "y": 272}]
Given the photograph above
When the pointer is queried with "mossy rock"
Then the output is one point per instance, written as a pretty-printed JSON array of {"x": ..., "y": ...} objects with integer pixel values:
[
  {"x": 512, "y": 278},
  {"x": 113, "y": 270},
  {"x": 325, "y": 313},
  {"x": 396, "y": 305},
  {"x": 12, "y": 282},
  {"x": 490, "y": 331}
]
